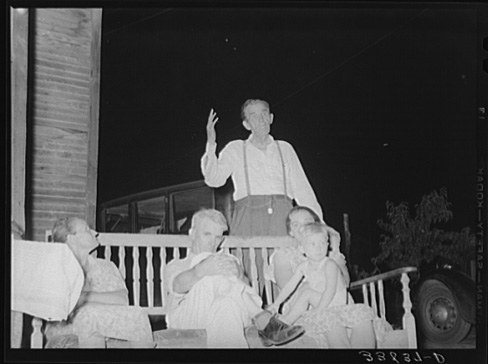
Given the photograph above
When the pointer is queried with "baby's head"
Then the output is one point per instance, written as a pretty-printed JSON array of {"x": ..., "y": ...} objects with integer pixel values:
[{"x": 314, "y": 242}]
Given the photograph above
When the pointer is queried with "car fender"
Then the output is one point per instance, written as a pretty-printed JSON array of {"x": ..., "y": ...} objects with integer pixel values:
[{"x": 461, "y": 286}]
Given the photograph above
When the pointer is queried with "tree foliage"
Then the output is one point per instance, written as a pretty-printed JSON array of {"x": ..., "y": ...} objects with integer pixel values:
[{"x": 412, "y": 241}]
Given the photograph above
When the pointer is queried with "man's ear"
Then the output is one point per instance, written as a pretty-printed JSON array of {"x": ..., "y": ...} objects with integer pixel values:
[
  {"x": 271, "y": 117},
  {"x": 246, "y": 125},
  {"x": 191, "y": 232}
]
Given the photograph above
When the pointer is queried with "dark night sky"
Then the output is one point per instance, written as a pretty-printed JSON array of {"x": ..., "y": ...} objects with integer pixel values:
[{"x": 380, "y": 104}]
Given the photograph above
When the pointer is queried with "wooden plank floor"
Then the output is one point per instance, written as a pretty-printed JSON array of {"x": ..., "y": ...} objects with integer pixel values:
[{"x": 194, "y": 339}]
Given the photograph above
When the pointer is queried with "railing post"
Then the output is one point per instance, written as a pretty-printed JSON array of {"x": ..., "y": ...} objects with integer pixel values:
[
  {"x": 382, "y": 299},
  {"x": 122, "y": 261},
  {"x": 136, "y": 275},
  {"x": 365, "y": 294},
  {"x": 254, "y": 270},
  {"x": 16, "y": 324},
  {"x": 267, "y": 284},
  {"x": 150, "y": 276},
  {"x": 164, "y": 287},
  {"x": 36, "y": 337},
  {"x": 374, "y": 305},
  {"x": 408, "y": 319}
]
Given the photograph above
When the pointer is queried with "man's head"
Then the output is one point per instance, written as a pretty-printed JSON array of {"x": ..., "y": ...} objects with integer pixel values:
[
  {"x": 76, "y": 233},
  {"x": 256, "y": 117},
  {"x": 207, "y": 229}
]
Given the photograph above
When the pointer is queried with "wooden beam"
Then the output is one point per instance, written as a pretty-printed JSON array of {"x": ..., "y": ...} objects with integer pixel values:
[
  {"x": 19, "y": 26},
  {"x": 92, "y": 170}
]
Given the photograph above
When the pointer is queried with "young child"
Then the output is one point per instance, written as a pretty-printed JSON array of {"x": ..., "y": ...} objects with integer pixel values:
[
  {"x": 324, "y": 289},
  {"x": 323, "y": 285}
]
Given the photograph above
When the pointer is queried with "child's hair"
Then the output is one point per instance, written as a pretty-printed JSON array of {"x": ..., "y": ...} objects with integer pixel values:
[{"x": 315, "y": 228}]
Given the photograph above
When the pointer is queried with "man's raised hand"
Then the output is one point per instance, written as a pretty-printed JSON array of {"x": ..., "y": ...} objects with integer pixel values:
[{"x": 212, "y": 120}]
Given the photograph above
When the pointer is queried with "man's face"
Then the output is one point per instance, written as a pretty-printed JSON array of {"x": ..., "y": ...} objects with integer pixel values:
[
  {"x": 85, "y": 237},
  {"x": 258, "y": 119},
  {"x": 206, "y": 236},
  {"x": 315, "y": 246}
]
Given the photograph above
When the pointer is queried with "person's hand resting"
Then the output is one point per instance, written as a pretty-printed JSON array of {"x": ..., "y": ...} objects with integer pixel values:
[
  {"x": 217, "y": 264},
  {"x": 273, "y": 308}
]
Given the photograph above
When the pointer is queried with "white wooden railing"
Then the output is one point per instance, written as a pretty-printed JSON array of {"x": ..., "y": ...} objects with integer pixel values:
[
  {"x": 171, "y": 244},
  {"x": 373, "y": 295}
]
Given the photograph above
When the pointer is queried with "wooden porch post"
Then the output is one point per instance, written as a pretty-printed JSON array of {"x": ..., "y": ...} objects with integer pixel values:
[
  {"x": 18, "y": 70},
  {"x": 92, "y": 170},
  {"x": 19, "y": 25}
]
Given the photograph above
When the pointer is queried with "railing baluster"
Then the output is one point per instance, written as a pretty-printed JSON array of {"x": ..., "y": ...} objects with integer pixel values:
[
  {"x": 108, "y": 252},
  {"x": 239, "y": 255},
  {"x": 36, "y": 337},
  {"x": 176, "y": 253},
  {"x": 365, "y": 294},
  {"x": 382, "y": 299},
  {"x": 164, "y": 295},
  {"x": 104, "y": 249},
  {"x": 372, "y": 289},
  {"x": 150, "y": 277},
  {"x": 122, "y": 262},
  {"x": 136, "y": 275},
  {"x": 254, "y": 270},
  {"x": 267, "y": 283}
]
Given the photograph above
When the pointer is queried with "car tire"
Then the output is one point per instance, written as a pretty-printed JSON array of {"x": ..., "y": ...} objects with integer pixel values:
[{"x": 439, "y": 318}]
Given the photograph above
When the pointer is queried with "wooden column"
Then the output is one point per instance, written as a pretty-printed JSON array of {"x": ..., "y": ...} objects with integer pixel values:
[
  {"x": 18, "y": 66},
  {"x": 19, "y": 26},
  {"x": 347, "y": 234},
  {"x": 92, "y": 166}
]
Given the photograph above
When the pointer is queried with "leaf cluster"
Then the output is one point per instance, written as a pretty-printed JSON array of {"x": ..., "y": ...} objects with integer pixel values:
[{"x": 413, "y": 241}]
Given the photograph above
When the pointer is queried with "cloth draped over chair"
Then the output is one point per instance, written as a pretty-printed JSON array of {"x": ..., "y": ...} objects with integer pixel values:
[{"x": 46, "y": 279}]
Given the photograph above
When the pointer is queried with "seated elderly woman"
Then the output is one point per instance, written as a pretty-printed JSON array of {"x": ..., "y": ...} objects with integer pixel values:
[{"x": 102, "y": 310}]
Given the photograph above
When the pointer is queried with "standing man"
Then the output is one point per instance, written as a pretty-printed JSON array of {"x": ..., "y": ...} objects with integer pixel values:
[
  {"x": 208, "y": 291},
  {"x": 266, "y": 173}
]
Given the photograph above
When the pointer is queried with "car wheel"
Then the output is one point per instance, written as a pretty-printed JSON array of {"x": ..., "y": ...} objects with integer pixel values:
[{"x": 439, "y": 318}]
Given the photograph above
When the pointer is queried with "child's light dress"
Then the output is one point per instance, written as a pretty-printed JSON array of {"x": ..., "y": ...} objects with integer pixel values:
[{"x": 342, "y": 311}]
